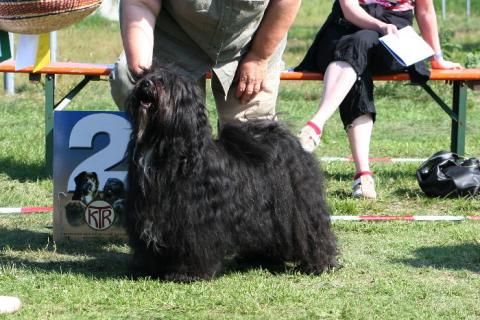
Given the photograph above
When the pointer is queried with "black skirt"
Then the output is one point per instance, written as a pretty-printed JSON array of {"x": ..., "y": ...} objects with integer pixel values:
[{"x": 340, "y": 40}]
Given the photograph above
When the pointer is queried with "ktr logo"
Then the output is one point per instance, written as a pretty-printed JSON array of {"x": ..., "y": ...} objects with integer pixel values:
[{"x": 99, "y": 215}]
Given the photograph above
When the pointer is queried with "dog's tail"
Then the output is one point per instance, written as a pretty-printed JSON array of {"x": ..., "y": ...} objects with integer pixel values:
[{"x": 247, "y": 140}]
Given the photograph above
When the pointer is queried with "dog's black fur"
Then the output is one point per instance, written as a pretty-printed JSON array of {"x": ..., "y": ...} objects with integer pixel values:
[
  {"x": 113, "y": 190},
  {"x": 192, "y": 201}
]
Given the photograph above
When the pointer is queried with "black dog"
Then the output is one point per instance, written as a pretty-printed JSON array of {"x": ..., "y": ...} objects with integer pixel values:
[
  {"x": 193, "y": 201},
  {"x": 113, "y": 190},
  {"x": 86, "y": 187},
  {"x": 114, "y": 194}
]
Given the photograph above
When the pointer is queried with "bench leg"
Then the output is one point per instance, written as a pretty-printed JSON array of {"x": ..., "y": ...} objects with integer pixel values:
[
  {"x": 459, "y": 107},
  {"x": 49, "y": 107}
]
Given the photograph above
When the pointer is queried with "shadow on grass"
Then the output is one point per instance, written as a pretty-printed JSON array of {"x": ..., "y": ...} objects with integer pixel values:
[
  {"x": 21, "y": 239},
  {"x": 36, "y": 251},
  {"x": 391, "y": 173},
  {"x": 341, "y": 194},
  {"x": 23, "y": 171},
  {"x": 385, "y": 174},
  {"x": 458, "y": 257},
  {"x": 92, "y": 258}
]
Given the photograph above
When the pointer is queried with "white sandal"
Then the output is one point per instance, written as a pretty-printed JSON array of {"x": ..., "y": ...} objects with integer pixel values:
[
  {"x": 309, "y": 136},
  {"x": 364, "y": 186}
]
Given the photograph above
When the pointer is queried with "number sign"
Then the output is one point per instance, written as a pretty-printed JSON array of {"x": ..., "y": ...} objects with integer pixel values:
[{"x": 90, "y": 172}]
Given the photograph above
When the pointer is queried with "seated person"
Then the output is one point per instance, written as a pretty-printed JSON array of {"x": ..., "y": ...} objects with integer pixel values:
[{"x": 348, "y": 52}]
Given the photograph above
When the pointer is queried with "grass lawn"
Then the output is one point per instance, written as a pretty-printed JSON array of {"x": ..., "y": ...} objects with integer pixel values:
[{"x": 391, "y": 270}]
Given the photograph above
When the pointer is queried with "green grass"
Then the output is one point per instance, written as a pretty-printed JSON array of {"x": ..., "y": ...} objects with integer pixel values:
[{"x": 392, "y": 270}]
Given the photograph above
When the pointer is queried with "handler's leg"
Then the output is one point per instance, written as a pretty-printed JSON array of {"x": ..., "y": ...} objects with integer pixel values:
[
  {"x": 262, "y": 106},
  {"x": 121, "y": 82}
]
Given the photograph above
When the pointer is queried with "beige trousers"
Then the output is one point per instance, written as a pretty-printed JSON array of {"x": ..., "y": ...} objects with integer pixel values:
[{"x": 229, "y": 108}]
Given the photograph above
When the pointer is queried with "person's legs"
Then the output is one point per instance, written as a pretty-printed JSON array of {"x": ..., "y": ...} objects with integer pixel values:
[
  {"x": 9, "y": 304},
  {"x": 350, "y": 63},
  {"x": 262, "y": 106},
  {"x": 338, "y": 80},
  {"x": 121, "y": 82},
  {"x": 348, "y": 86},
  {"x": 359, "y": 133}
]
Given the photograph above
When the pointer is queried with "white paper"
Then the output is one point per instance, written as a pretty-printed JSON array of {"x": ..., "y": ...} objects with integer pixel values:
[
  {"x": 26, "y": 51},
  {"x": 407, "y": 47}
]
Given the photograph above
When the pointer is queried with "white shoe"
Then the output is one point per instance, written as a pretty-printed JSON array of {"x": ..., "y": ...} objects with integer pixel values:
[
  {"x": 309, "y": 137},
  {"x": 9, "y": 304},
  {"x": 364, "y": 187}
]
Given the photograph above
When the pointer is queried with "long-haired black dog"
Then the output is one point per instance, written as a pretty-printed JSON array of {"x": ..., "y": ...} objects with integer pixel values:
[{"x": 193, "y": 201}]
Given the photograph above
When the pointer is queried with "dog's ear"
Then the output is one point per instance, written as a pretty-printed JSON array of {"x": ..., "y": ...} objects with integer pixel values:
[
  {"x": 80, "y": 177},
  {"x": 189, "y": 112},
  {"x": 95, "y": 176}
]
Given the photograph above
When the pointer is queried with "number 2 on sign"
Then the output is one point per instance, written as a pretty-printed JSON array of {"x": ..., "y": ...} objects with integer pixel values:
[{"x": 82, "y": 135}]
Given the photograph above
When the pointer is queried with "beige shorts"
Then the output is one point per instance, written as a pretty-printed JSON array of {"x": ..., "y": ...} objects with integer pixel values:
[{"x": 229, "y": 108}]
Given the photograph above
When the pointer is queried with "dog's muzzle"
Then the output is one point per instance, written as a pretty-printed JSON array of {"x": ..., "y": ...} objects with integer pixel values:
[{"x": 146, "y": 94}]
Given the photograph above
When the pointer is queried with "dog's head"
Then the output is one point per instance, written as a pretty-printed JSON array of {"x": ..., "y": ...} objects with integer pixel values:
[
  {"x": 87, "y": 182},
  {"x": 113, "y": 190},
  {"x": 166, "y": 103},
  {"x": 86, "y": 186}
]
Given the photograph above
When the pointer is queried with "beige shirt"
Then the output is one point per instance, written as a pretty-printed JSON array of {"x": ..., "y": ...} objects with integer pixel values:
[{"x": 202, "y": 35}]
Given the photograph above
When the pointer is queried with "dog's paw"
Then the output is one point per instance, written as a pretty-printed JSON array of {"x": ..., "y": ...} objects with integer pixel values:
[
  {"x": 317, "y": 269},
  {"x": 184, "y": 278}
]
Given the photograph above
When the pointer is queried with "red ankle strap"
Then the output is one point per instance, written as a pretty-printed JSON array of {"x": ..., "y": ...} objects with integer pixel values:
[
  {"x": 362, "y": 173},
  {"x": 315, "y": 128}
]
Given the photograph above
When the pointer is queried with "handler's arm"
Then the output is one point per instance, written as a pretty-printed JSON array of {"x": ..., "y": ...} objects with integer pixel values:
[
  {"x": 427, "y": 22},
  {"x": 252, "y": 69},
  {"x": 138, "y": 23},
  {"x": 354, "y": 13}
]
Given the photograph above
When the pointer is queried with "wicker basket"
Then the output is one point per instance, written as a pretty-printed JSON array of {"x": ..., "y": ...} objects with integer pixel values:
[{"x": 41, "y": 16}]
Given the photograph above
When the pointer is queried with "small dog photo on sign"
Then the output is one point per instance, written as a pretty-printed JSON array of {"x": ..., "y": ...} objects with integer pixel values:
[{"x": 86, "y": 187}]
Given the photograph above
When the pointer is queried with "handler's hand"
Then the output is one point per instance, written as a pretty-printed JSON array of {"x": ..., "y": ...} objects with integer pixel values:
[
  {"x": 251, "y": 73},
  {"x": 444, "y": 64}
]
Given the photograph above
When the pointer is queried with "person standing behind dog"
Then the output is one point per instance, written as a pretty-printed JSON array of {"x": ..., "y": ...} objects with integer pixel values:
[
  {"x": 348, "y": 52},
  {"x": 241, "y": 41}
]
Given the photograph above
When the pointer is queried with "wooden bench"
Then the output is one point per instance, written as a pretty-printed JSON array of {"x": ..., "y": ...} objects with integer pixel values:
[{"x": 457, "y": 111}]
